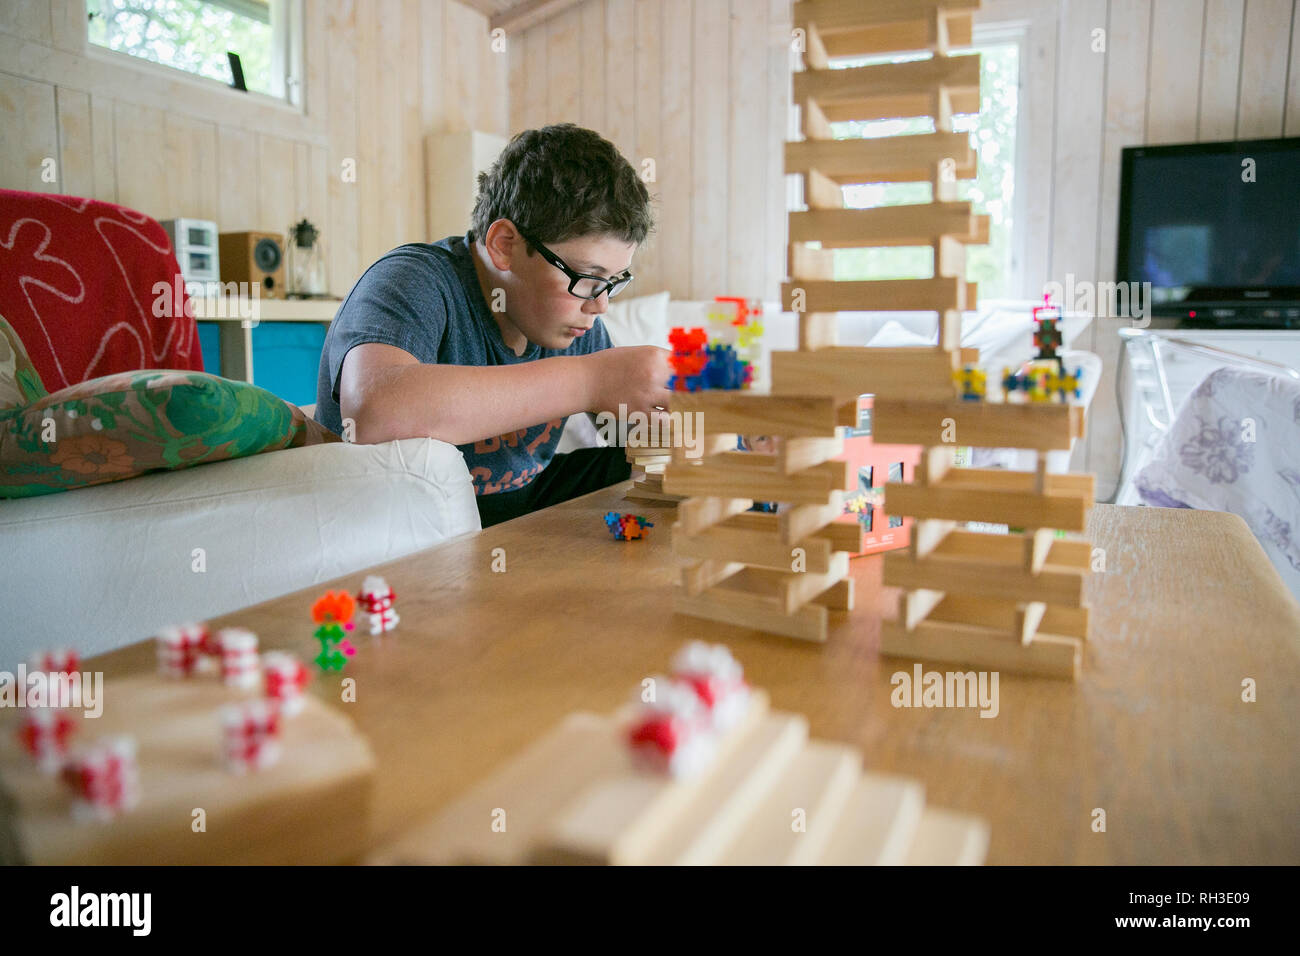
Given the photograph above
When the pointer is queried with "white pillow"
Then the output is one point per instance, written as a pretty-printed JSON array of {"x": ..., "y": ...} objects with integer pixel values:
[{"x": 639, "y": 321}]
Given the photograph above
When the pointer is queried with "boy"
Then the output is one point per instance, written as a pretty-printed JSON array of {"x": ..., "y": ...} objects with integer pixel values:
[{"x": 477, "y": 339}]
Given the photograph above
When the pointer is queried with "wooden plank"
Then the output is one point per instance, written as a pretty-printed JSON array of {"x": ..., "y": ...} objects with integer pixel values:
[
  {"x": 698, "y": 578},
  {"x": 1265, "y": 46},
  {"x": 899, "y": 37},
  {"x": 1000, "y": 479},
  {"x": 1048, "y": 656},
  {"x": 875, "y": 295},
  {"x": 702, "y": 832},
  {"x": 1220, "y": 70},
  {"x": 1002, "y": 615},
  {"x": 915, "y": 604},
  {"x": 822, "y": 192},
  {"x": 779, "y": 114},
  {"x": 755, "y": 613},
  {"x": 646, "y": 136},
  {"x": 518, "y": 17},
  {"x": 1041, "y": 427},
  {"x": 1018, "y": 509},
  {"x": 1028, "y": 617},
  {"x": 909, "y": 225},
  {"x": 1175, "y": 70},
  {"x": 899, "y": 106},
  {"x": 814, "y": 122},
  {"x": 725, "y": 542},
  {"x": 745, "y": 148},
  {"x": 944, "y": 838},
  {"x": 842, "y": 535},
  {"x": 866, "y": 83},
  {"x": 696, "y": 514},
  {"x": 1009, "y": 548},
  {"x": 796, "y": 454},
  {"x": 837, "y": 597},
  {"x": 792, "y": 589},
  {"x": 675, "y": 170},
  {"x": 311, "y": 807},
  {"x": 838, "y": 16},
  {"x": 888, "y": 159},
  {"x": 844, "y": 371},
  {"x": 817, "y": 330},
  {"x": 810, "y": 486},
  {"x": 817, "y": 782},
  {"x": 809, "y": 262},
  {"x": 799, "y": 522},
  {"x": 879, "y": 823},
  {"x": 750, "y": 413},
  {"x": 709, "y": 166},
  {"x": 929, "y": 534},
  {"x": 967, "y": 575}
]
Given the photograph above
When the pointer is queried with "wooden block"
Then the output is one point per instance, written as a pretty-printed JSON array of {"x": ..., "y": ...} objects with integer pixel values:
[
  {"x": 799, "y": 522},
  {"x": 810, "y": 262},
  {"x": 757, "y": 613},
  {"x": 874, "y": 295},
  {"x": 851, "y": 371},
  {"x": 967, "y": 575},
  {"x": 878, "y": 824},
  {"x": 944, "y": 838},
  {"x": 911, "y": 225},
  {"x": 968, "y": 356},
  {"x": 810, "y": 486},
  {"x": 822, "y": 192},
  {"x": 950, "y": 258},
  {"x": 796, "y": 454},
  {"x": 751, "y": 413},
  {"x": 898, "y": 106},
  {"x": 818, "y": 781},
  {"x": 706, "y": 445},
  {"x": 907, "y": 421},
  {"x": 725, "y": 542},
  {"x": 915, "y": 604},
  {"x": 981, "y": 236},
  {"x": 928, "y": 534},
  {"x": 650, "y": 483},
  {"x": 696, "y": 514},
  {"x": 792, "y": 589},
  {"x": 936, "y": 462},
  {"x": 863, "y": 85},
  {"x": 814, "y": 54},
  {"x": 311, "y": 807},
  {"x": 651, "y": 498},
  {"x": 1009, "y": 548},
  {"x": 1000, "y": 479},
  {"x": 530, "y": 788},
  {"x": 818, "y": 330},
  {"x": 891, "y": 159},
  {"x": 847, "y": 412},
  {"x": 702, "y": 832},
  {"x": 698, "y": 578},
  {"x": 900, "y": 37},
  {"x": 838, "y": 16},
  {"x": 1001, "y": 615},
  {"x": 1028, "y": 617},
  {"x": 623, "y": 814},
  {"x": 982, "y": 647},
  {"x": 837, "y": 597},
  {"x": 1038, "y": 543},
  {"x": 843, "y": 535},
  {"x": 813, "y": 121}
]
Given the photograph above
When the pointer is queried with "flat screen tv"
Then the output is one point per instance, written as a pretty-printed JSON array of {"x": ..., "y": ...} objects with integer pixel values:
[{"x": 1215, "y": 229}]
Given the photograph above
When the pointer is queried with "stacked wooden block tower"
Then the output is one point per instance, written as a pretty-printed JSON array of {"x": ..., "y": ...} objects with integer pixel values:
[{"x": 1003, "y": 601}]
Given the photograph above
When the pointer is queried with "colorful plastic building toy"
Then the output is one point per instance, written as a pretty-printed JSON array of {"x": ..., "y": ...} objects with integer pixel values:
[
  {"x": 62, "y": 660},
  {"x": 377, "y": 598},
  {"x": 717, "y": 679},
  {"x": 286, "y": 681},
  {"x": 972, "y": 381},
  {"x": 333, "y": 612},
  {"x": 105, "y": 778},
  {"x": 250, "y": 735},
  {"x": 240, "y": 664},
  {"x": 44, "y": 734},
  {"x": 671, "y": 734},
  {"x": 182, "y": 650},
  {"x": 1047, "y": 330},
  {"x": 688, "y": 359},
  {"x": 625, "y": 527}
]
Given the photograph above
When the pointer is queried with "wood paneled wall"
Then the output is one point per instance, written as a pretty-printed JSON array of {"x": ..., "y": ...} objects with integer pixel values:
[
  {"x": 699, "y": 87},
  {"x": 379, "y": 75},
  {"x": 1173, "y": 71}
]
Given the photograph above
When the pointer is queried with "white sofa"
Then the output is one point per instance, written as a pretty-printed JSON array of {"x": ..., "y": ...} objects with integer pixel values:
[{"x": 100, "y": 567}]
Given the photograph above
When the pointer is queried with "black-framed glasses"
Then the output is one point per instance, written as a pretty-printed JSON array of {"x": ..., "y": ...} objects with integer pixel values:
[{"x": 581, "y": 285}]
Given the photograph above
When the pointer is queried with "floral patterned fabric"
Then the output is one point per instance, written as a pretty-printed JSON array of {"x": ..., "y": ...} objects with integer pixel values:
[
  {"x": 1235, "y": 446},
  {"x": 130, "y": 423}
]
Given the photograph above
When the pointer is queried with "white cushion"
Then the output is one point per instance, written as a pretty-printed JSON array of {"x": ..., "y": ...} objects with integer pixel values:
[
  {"x": 99, "y": 567},
  {"x": 639, "y": 321}
]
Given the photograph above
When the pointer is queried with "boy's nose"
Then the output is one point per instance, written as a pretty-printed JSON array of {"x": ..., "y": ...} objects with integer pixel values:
[{"x": 598, "y": 305}]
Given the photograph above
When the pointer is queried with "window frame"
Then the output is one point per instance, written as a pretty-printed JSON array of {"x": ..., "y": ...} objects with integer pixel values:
[{"x": 287, "y": 65}]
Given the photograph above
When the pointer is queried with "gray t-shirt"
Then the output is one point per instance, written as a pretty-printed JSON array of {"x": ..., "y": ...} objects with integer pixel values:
[{"x": 425, "y": 299}]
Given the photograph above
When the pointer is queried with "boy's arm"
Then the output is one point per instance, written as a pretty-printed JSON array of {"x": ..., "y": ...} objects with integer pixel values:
[{"x": 388, "y": 394}]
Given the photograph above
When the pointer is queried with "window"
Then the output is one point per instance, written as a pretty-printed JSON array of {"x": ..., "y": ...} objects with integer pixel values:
[
  {"x": 994, "y": 129},
  {"x": 195, "y": 36}
]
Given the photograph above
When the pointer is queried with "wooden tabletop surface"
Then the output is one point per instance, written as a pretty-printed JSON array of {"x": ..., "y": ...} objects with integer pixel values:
[{"x": 1155, "y": 732}]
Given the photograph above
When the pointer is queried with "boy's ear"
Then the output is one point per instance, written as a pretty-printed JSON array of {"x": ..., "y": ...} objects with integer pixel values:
[{"x": 504, "y": 244}]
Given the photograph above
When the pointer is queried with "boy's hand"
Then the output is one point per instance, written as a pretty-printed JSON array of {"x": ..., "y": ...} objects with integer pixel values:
[{"x": 635, "y": 376}]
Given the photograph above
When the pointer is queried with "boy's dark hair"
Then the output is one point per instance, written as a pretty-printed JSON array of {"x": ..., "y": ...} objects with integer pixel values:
[{"x": 560, "y": 182}]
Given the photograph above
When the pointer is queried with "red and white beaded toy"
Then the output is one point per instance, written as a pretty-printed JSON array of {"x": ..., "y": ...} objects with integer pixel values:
[
  {"x": 377, "y": 598},
  {"x": 44, "y": 734},
  {"x": 105, "y": 778},
  {"x": 240, "y": 666},
  {"x": 250, "y": 735},
  {"x": 717, "y": 678},
  {"x": 62, "y": 660},
  {"x": 182, "y": 650},
  {"x": 672, "y": 733},
  {"x": 286, "y": 681}
]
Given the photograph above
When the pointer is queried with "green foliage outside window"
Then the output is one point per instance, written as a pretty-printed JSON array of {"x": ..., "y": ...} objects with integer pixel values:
[
  {"x": 190, "y": 35},
  {"x": 994, "y": 129}
]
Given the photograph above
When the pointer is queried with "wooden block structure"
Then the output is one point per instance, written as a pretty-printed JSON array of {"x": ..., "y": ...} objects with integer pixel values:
[
  {"x": 1012, "y": 602},
  {"x": 771, "y": 796},
  {"x": 311, "y": 807}
]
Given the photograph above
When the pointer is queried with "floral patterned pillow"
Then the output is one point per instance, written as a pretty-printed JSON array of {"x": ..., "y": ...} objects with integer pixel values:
[{"x": 127, "y": 424}]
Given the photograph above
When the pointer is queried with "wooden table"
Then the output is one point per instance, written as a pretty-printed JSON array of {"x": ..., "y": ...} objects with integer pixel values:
[{"x": 1155, "y": 732}]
